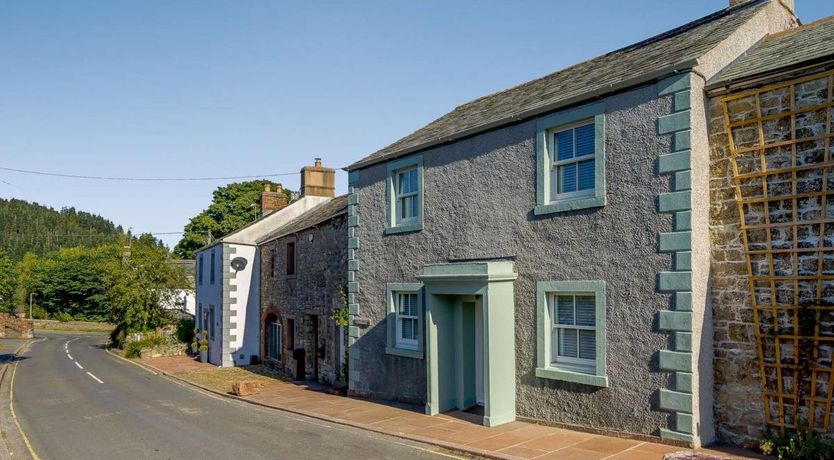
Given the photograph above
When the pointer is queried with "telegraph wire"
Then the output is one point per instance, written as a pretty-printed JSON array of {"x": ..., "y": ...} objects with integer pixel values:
[{"x": 142, "y": 179}]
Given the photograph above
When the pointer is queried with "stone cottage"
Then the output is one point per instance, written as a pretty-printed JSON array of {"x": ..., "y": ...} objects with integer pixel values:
[
  {"x": 228, "y": 272},
  {"x": 772, "y": 231},
  {"x": 303, "y": 282},
  {"x": 543, "y": 253}
]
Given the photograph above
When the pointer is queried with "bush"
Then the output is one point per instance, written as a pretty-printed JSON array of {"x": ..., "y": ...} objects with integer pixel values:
[
  {"x": 63, "y": 316},
  {"x": 797, "y": 445},
  {"x": 133, "y": 349},
  {"x": 39, "y": 313},
  {"x": 185, "y": 330}
]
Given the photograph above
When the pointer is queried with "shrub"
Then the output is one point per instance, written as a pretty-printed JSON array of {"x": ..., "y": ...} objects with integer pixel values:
[
  {"x": 797, "y": 445},
  {"x": 63, "y": 316},
  {"x": 133, "y": 349},
  {"x": 204, "y": 345},
  {"x": 185, "y": 330},
  {"x": 39, "y": 313}
]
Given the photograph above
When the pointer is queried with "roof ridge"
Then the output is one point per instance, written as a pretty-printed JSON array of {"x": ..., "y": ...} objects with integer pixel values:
[
  {"x": 792, "y": 30},
  {"x": 661, "y": 36}
]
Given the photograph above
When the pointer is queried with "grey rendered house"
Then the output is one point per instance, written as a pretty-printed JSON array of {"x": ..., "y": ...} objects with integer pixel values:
[
  {"x": 303, "y": 277},
  {"x": 543, "y": 252}
]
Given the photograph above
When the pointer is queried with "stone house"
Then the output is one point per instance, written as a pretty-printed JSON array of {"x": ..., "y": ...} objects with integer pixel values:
[
  {"x": 772, "y": 230},
  {"x": 303, "y": 277},
  {"x": 228, "y": 272},
  {"x": 541, "y": 253}
]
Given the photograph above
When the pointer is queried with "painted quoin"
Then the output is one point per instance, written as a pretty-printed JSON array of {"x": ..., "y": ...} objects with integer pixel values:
[{"x": 543, "y": 252}]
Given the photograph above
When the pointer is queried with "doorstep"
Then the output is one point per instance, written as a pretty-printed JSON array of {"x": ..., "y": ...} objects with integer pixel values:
[{"x": 454, "y": 430}]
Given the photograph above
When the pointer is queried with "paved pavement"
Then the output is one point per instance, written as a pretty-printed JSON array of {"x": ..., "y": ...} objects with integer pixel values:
[
  {"x": 455, "y": 430},
  {"x": 73, "y": 401}
]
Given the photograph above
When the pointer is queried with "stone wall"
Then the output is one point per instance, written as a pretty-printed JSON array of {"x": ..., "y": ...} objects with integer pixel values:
[
  {"x": 309, "y": 297},
  {"x": 12, "y": 326},
  {"x": 739, "y": 399}
]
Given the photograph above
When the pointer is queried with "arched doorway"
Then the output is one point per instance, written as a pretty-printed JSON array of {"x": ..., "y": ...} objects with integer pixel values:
[{"x": 271, "y": 337}]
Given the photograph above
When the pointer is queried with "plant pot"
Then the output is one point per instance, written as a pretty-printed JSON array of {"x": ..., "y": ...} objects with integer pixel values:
[{"x": 204, "y": 356}]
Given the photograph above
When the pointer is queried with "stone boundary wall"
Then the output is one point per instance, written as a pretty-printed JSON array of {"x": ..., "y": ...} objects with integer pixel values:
[{"x": 12, "y": 326}]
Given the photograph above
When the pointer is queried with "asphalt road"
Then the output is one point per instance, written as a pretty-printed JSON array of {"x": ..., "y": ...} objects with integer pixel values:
[{"x": 82, "y": 403}]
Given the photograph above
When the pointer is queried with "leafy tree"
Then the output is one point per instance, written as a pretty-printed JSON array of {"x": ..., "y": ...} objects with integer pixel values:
[
  {"x": 71, "y": 282},
  {"x": 7, "y": 282},
  {"x": 137, "y": 286},
  {"x": 233, "y": 206},
  {"x": 23, "y": 285}
]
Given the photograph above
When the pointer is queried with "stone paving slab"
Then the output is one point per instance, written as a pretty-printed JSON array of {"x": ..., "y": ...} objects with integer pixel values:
[{"x": 455, "y": 430}]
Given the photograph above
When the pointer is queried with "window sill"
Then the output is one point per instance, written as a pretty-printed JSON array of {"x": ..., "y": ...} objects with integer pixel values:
[
  {"x": 416, "y": 354},
  {"x": 570, "y": 204},
  {"x": 405, "y": 228},
  {"x": 569, "y": 376}
]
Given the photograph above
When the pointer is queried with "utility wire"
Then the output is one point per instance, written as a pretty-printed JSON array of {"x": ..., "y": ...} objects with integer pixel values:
[{"x": 142, "y": 179}]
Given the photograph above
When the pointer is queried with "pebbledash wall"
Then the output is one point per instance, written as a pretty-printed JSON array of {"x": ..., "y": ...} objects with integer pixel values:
[
  {"x": 739, "y": 406},
  {"x": 479, "y": 195},
  {"x": 314, "y": 289}
]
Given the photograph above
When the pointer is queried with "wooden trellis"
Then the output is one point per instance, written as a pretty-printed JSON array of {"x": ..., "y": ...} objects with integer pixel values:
[{"x": 780, "y": 140}]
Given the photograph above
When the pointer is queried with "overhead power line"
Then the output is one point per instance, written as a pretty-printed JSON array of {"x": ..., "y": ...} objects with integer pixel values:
[{"x": 142, "y": 179}]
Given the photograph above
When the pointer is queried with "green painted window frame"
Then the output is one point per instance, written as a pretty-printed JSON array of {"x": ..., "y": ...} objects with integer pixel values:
[
  {"x": 545, "y": 368},
  {"x": 545, "y": 152},
  {"x": 391, "y": 224},
  {"x": 391, "y": 348}
]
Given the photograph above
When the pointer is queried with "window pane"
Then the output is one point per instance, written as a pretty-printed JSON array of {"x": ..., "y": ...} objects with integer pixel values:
[
  {"x": 564, "y": 145},
  {"x": 414, "y": 211},
  {"x": 413, "y": 180},
  {"x": 567, "y": 343},
  {"x": 406, "y": 207},
  {"x": 567, "y": 178},
  {"x": 585, "y": 140},
  {"x": 408, "y": 328},
  {"x": 587, "y": 345},
  {"x": 564, "y": 307},
  {"x": 586, "y": 175},
  {"x": 585, "y": 311}
]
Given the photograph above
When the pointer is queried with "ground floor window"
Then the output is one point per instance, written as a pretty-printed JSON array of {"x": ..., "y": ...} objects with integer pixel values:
[
  {"x": 405, "y": 319},
  {"x": 571, "y": 328},
  {"x": 273, "y": 340}
]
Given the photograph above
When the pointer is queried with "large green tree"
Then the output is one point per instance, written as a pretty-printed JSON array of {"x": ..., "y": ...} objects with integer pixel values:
[
  {"x": 7, "y": 282},
  {"x": 232, "y": 207},
  {"x": 71, "y": 281},
  {"x": 23, "y": 285},
  {"x": 138, "y": 285}
]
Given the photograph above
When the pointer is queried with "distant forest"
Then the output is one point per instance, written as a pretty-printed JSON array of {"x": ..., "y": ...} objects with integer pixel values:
[{"x": 31, "y": 227}]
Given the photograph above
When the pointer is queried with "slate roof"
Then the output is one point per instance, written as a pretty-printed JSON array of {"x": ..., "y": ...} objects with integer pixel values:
[
  {"x": 670, "y": 51},
  {"x": 314, "y": 216},
  {"x": 790, "y": 48}
]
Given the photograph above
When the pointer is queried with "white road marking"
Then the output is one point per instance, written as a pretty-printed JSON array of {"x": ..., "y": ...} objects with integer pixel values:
[
  {"x": 95, "y": 378},
  {"x": 70, "y": 357},
  {"x": 79, "y": 366}
]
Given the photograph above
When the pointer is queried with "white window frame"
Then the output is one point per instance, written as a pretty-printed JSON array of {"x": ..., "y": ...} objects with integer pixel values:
[
  {"x": 401, "y": 342},
  {"x": 275, "y": 328},
  {"x": 577, "y": 364},
  {"x": 395, "y": 223},
  {"x": 555, "y": 163}
]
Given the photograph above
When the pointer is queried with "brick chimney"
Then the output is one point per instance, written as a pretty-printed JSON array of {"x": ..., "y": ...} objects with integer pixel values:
[
  {"x": 317, "y": 180},
  {"x": 272, "y": 201}
]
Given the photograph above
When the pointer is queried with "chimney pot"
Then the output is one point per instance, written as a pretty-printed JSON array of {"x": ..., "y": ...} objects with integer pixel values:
[{"x": 318, "y": 163}]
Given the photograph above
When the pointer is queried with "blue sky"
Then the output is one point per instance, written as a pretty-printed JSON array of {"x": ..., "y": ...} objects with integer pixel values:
[{"x": 223, "y": 88}]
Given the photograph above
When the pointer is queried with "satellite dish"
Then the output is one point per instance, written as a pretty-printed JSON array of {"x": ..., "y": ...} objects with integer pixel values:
[{"x": 238, "y": 263}]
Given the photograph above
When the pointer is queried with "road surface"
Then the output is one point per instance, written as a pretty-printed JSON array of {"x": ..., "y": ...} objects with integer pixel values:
[{"x": 75, "y": 401}]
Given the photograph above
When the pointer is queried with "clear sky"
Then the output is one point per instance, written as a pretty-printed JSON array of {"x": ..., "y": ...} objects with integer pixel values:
[{"x": 228, "y": 88}]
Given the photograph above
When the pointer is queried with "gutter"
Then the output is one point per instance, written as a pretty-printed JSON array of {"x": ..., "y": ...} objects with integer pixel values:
[{"x": 684, "y": 65}]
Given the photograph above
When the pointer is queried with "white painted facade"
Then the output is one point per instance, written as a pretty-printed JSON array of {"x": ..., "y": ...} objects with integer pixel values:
[{"x": 235, "y": 296}]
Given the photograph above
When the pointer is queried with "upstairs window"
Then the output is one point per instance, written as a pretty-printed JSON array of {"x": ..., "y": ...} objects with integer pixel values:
[
  {"x": 570, "y": 160},
  {"x": 407, "y": 196},
  {"x": 404, "y": 197},
  {"x": 272, "y": 257},
  {"x": 572, "y": 171},
  {"x": 290, "y": 258},
  {"x": 200, "y": 270},
  {"x": 211, "y": 277}
]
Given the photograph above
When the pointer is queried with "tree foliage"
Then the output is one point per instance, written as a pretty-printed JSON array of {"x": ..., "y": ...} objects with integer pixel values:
[
  {"x": 30, "y": 227},
  {"x": 7, "y": 282},
  {"x": 139, "y": 285},
  {"x": 232, "y": 207}
]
